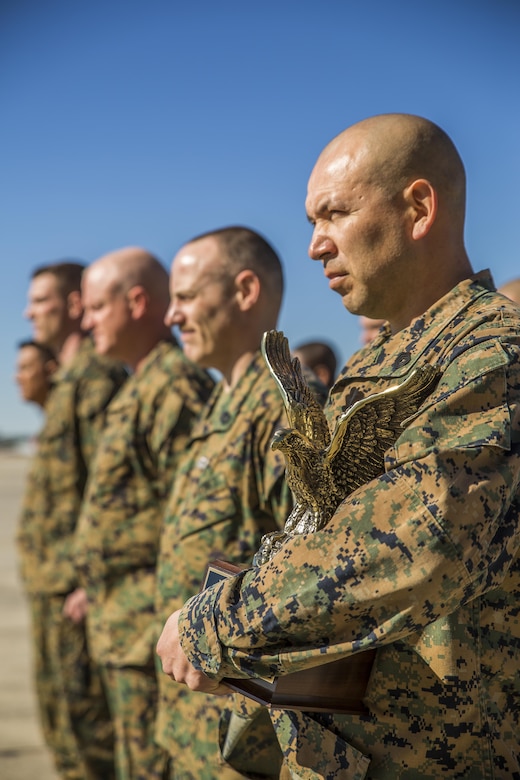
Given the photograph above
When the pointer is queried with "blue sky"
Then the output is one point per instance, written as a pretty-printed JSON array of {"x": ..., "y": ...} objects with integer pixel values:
[{"x": 148, "y": 122}]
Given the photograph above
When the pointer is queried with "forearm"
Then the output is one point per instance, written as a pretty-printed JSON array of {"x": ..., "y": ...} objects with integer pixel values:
[{"x": 389, "y": 563}]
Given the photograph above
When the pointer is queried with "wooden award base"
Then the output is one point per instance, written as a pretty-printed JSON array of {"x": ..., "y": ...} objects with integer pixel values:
[{"x": 338, "y": 686}]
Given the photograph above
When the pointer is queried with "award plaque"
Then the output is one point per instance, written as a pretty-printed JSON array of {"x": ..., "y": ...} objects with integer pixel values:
[{"x": 338, "y": 686}]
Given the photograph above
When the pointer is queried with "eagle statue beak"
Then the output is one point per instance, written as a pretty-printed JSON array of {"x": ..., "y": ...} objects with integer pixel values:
[{"x": 279, "y": 438}]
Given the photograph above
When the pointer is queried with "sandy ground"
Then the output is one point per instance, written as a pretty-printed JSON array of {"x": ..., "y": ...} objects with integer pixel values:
[{"x": 23, "y": 755}]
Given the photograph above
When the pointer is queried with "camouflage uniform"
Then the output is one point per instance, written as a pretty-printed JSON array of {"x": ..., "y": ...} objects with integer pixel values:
[
  {"x": 230, "y": 491},
  {"x": 74, "y": 714},
  {"x": 420, "y": 563},
  {"x": 118, "y": 535}
]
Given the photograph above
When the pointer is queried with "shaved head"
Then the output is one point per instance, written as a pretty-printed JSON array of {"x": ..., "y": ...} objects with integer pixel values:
[
  {"x": 398, "y": 148},
  {"x": 386, "y": 199}
]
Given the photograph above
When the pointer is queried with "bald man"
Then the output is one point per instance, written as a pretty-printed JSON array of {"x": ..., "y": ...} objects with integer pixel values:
[
  {"x": 226, "y": 290},
  {"x": 420, "y": 563},
  {"x": 125, "y": 296},
  {"x": 511, "y": 290}
]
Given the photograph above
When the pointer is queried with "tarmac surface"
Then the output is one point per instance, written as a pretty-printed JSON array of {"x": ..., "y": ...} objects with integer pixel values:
[{"x": 23, "y": 755}]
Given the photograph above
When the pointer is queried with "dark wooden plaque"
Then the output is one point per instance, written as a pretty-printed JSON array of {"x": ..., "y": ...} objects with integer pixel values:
[{"x": 338, "y": 686}]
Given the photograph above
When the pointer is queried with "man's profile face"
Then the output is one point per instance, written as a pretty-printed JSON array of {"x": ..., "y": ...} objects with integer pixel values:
[
  {"x": 202, "y": 304},
  {"x": 107, "y": 314},
  {"x": 33, "y": 374},
  {"x": 47, "y": 310},
  {"x": 358, "y": 231}
]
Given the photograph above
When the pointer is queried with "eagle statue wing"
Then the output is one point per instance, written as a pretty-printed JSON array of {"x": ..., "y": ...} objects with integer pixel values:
[
  {"x": 304, "y": 412},
  {"x": 370, "y": 426}
]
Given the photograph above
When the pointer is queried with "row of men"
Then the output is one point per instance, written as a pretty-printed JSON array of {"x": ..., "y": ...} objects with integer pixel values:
[
  {"x": 99, "y": 514},
  {"x": 420, "y": 563}
]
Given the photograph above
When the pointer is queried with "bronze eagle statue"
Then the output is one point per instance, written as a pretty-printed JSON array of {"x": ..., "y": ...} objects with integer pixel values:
[{"x": 322, "y": 469}]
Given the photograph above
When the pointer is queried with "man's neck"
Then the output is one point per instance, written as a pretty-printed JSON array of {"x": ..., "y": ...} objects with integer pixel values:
[
  {"x": 70, "y": 347},
  {"x": 431, "y": 288},
  {"x": 231, "y": 377},
  {"x": 144, "y": 343}
]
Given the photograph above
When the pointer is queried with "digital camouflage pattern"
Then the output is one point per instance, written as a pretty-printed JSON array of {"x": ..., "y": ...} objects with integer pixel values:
[
  {"x": 146, "y": 430},
  {"x": 74, "y": 417},
  {"x": 420, "y": 563},
  {"x": 229, "y": 491},
  {"x": 132, "y": 694},
  {"x": 73, "y": 708},
  {"x": 74, "y": 712}
]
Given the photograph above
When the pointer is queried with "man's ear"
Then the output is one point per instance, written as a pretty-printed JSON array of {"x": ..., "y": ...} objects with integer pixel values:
[
  {"x": 50, "y": 367},
  {"x": 247, "y": 286},
  {"x": 138, "y": 299},
  {"x": 422, "y": 201},
  {"x": 74, "y": 305}
]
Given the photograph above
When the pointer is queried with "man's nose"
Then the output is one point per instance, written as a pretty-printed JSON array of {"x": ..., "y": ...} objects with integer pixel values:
[
  {"x": 86, "y": 321},
  {"x": 174, "y": 315},
  {"x": 322, "y": 247}
]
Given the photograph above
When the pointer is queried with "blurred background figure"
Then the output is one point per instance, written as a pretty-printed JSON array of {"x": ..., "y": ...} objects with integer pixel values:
[
  {"x": 125, "y": 297},
  {"x": 319, "y": 357},
  {"x": 35, "y": 365},
  {"x": 369, "y": 329},
  {"x": 74, "y": 715},
  {"x": 226, "y": 291},
  {"x": 511, "y": 290}
]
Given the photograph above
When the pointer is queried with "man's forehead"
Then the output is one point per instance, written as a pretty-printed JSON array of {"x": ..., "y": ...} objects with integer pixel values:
[
  {"x": 185, "y": 260},
  {"x": 43, "y": 282},
  {"x": 205, "y": 249},
  {"x": 198, "y": 259},
  {"x": 101, "y": 279},
  {"x": 29, "y": 355},
  {"x": 324, "y": 182},
  {"x": 339, "y": 170}
]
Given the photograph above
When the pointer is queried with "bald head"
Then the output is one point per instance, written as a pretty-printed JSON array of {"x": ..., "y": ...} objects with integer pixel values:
[
  {"x": 125, "y": 297},
  {"x": 131, "y": 267},
  {"x": 387, "y": 200},
  {"x": 396, "y": 149}
]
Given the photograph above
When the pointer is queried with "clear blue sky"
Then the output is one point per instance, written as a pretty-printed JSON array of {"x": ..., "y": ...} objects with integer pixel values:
[{"x": 148, "y": 122}]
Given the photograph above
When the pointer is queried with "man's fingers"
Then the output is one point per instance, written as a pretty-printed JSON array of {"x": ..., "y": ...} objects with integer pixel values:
[
  {"x": 197, "y": 681},
  {"x": 176, "y": 665}
]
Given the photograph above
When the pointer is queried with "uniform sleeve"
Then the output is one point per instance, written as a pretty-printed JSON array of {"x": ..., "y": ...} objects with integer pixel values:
[{"x": 437, "y": 529}]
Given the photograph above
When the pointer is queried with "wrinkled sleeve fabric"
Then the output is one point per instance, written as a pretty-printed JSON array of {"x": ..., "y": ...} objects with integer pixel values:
[{"x": 436, "y": 530}]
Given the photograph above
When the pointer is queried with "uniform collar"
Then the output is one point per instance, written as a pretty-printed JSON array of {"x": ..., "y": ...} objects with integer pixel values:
[
  {"x": 395, "y": 355},
  {"x": 223, "y": 407},
  {"x": 85, "y": 348},
  {"x": 157, "y": 353}
]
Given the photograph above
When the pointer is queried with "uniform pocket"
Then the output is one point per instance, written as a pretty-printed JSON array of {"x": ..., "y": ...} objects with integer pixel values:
[{"x": 214, "y": 504}]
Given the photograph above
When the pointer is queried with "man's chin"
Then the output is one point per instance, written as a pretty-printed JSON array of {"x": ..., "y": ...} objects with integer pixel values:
[
  {"x": 103, "y": 350},
  {"x": 192, "y": 354}
]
